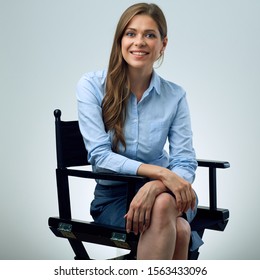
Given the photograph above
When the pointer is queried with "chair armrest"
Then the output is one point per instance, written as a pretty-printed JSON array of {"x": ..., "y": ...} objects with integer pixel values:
[
  {"x": 213, "y": 163},
  {"x": 130, "y": 179},
  {"x": 105, "y": 176}
]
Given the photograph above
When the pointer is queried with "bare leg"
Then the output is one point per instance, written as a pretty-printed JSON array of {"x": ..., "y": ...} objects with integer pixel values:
[
  {"x": 158, "y": 241},
  {"x": 182, "y": 239}
]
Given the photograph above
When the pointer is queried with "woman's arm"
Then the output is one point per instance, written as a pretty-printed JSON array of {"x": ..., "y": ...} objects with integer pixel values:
[
  {"x": 182, "y": 157},
  {"x": 138, "y": 216},
  {"x": 182, "y": 189},
  {"x": 90, "y": 91}
]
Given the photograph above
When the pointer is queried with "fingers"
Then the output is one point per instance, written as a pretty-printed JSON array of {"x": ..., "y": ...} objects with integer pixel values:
[
  {"x": 137, "y": 221},
  {"x": 138, "y": 215},
  {"x": 185, "y": 198},
  {"x": 132, "y": 223},
  {"x": 147, "y": 219},
  {"x": 193, "y": 203},
  {"x": 178, "y": 201},
  {"x": 128, "y": 218}
]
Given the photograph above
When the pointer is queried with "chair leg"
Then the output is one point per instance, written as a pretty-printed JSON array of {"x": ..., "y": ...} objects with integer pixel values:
[
  {"x": 79, "y": 250},
  {"x": 193, "y": 255}
]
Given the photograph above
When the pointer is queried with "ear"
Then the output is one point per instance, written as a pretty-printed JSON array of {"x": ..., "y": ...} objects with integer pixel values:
[{"x": 164, "y": 42}]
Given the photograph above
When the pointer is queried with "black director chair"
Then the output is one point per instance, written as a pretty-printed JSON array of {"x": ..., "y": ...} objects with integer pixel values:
[{"x": 71, "y": 152}]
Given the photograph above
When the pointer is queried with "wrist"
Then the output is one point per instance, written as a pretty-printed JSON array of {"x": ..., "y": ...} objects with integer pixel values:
[
  {"x": 154, "y": 172},
  {"x": 163, "y": 174},
  {"x": 157, "y": 187}
]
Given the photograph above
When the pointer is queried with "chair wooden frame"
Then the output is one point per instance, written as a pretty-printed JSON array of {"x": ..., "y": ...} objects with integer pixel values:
[{"x": 71, "y": 152}]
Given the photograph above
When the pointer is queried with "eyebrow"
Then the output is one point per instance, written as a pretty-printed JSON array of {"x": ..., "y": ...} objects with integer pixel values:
[{"x": 146, "y": 30}]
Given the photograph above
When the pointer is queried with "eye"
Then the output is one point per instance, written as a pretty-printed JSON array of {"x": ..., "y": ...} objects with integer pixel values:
[
  {"x": 130, "y": 34},
  {"x": 150, "y": 35}
]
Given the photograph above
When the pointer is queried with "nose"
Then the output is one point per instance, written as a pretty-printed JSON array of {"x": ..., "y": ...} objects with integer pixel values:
[{"x": 139, "y": 41}]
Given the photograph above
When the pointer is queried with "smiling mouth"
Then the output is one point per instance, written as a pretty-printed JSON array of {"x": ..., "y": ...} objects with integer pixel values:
[{"x": 139, "y": 53}]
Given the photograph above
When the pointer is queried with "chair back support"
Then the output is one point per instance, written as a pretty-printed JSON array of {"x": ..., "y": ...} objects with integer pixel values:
[{"x": 70, "y": 146}]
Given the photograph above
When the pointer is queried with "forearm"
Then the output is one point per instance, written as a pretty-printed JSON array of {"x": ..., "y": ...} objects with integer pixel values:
[
  {"x": 156, "y": 172},
  {"x": 182, "y": 189},
  {"x": 157, "y": 187},
  {"x": 150, "y": 171}
]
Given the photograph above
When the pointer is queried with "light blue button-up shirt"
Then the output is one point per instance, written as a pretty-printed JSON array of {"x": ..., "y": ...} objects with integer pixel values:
[{"x": 162, "y": 114}]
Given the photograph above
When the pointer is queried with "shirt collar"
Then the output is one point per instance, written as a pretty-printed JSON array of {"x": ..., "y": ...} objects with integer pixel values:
[{"x": 155, "y": 83}]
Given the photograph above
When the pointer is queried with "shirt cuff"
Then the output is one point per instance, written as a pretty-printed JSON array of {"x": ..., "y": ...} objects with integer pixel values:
[
  {"x": 186, "y": 175},
  {"x": 130, "y": 167}
]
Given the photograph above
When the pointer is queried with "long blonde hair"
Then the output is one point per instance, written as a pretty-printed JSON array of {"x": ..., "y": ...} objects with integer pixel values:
[{"x": 117, "y": 83}]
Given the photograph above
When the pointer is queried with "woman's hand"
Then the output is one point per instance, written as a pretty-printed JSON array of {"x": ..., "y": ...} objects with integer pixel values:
[
  {"x": 138, "y": 216},
  {"x": 184, "y": 194}
]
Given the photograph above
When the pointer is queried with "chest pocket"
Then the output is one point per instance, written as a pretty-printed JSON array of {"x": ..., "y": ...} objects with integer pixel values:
[{"x": 158, "y": 132}]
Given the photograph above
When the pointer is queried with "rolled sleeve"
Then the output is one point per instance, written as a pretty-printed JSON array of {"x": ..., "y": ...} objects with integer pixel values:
[
  {"x": 186, "y": 175},
  {"x": 130, "y": 167}
]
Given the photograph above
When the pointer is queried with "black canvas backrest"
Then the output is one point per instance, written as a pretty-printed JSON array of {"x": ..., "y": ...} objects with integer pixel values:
[{"x": 70, "y": 147}]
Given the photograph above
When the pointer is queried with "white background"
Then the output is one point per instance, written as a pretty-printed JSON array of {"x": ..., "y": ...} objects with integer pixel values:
[{"x": 46, "y": 46}]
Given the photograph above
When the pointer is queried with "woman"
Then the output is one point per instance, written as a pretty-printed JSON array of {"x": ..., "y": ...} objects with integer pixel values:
[{"x": 126, "y": 114}]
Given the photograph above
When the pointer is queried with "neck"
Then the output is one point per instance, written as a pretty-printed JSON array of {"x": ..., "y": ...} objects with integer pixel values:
[{"x": 139, "y": 81}]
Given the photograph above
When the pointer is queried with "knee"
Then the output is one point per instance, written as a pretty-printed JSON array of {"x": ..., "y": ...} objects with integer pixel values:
[
  {"x": 165, "y": 206},
  {"x": 183, "y": 231}
]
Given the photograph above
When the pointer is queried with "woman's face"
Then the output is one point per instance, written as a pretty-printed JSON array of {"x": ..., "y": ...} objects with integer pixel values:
[{"x": 141, "y": 43}]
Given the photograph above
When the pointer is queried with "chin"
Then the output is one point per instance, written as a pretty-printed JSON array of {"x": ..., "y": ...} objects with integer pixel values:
[{"x": 138, "y": 65}]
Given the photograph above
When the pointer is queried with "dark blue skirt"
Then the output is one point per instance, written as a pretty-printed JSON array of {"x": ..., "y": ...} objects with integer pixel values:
[{"x": 109, "y": 207}]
